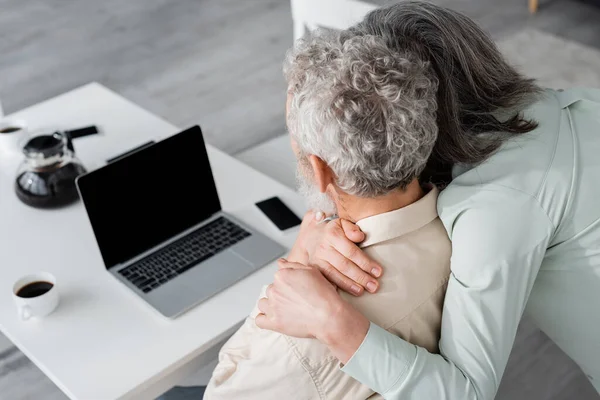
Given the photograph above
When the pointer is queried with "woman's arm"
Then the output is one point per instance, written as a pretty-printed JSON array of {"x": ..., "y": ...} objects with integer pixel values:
[
  {"x": 499, "y": 241},
  {"x": 498, "y": 244}
]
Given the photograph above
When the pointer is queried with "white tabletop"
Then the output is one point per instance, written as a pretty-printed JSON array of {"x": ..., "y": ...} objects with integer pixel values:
[{"x": 103, "y": 342}]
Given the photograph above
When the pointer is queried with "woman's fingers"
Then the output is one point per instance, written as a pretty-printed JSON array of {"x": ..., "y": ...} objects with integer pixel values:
[
  {"x": 339, "y": 241},
  {"x": 268, "y": 291},
  {"x": 351, "y": 271},
  {"x": 263, "y": 322},
  {"x": 352, "y": 231},
  {"x": 301, "y": 303},
  {"x": 283, "y": 263},
  {"x": 263, "y": 305},
  {"x": 338, "y": 279}
]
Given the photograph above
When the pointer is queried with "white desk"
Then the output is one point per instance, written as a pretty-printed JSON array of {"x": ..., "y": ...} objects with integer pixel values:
[{"x": 103, "y": 342}]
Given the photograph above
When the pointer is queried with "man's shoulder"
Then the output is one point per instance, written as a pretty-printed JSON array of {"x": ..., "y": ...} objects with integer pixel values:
[
  {"x": 428, "y": 247},
  {"x": 415, "y": 267}
]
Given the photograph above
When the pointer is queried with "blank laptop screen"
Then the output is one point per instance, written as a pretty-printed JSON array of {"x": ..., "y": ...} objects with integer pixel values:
[{"x": 141, "y": 200}]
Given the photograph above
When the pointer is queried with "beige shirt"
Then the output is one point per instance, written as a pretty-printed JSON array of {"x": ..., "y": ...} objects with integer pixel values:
[{"x": 413, "y": 248}]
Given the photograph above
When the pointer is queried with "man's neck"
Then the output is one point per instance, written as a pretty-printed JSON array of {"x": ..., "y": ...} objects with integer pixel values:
[{"x": 355, "y": 208}]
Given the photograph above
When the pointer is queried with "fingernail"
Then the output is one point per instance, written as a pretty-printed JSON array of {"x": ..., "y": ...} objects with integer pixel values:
[
  {"x": 355, "y": 289},
  {"x": 282, "y": 260},
  {"x": 371, "y": 287},
  {"x": 376, "y": 272}
]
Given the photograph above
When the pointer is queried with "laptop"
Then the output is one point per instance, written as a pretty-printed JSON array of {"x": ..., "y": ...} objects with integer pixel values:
[{"x": 158, "y": 222}]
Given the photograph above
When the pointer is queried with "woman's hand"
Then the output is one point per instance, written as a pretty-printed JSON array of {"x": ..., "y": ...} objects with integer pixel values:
[
  {"x": 302, "y": 303},
  {"x": 331, "y": 247}
]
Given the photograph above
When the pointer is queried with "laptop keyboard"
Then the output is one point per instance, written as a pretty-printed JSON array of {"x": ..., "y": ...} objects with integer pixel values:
[{"x": 176, "y": 258}]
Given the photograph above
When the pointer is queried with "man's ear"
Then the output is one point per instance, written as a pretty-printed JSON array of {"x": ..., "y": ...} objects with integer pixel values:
[{"x": 323, "y": 174}]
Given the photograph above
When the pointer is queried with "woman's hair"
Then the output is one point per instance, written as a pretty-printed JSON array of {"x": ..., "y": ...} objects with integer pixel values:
[
  {"x": 479, "y": 94},
  {"x": 367, "y": 110}
]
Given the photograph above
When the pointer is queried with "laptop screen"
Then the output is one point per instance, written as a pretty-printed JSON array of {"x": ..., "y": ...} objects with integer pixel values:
[{"x": 145, "y": 198}]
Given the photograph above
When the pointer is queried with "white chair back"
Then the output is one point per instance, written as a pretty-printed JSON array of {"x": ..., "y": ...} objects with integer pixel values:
[{"x": 335, "y": 14}]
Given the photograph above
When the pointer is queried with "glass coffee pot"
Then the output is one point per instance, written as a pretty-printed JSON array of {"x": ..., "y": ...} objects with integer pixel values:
[{"x": 46, "y": 178}]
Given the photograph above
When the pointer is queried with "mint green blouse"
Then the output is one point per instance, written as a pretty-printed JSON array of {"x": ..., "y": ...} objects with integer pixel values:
[{"x": 525, "y": 231}]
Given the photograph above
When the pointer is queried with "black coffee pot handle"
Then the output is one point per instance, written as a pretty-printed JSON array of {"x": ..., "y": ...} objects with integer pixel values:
[
  {"x": 77, "y": 133},
  {"x": 70, "y": 146}
]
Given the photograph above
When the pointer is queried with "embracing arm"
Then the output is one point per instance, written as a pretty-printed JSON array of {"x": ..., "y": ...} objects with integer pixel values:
[{"x": 497, "y": 251}]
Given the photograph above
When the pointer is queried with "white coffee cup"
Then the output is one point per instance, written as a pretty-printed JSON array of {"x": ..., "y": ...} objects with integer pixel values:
[
  {"x": 13, "y": 135},
  {"x": 35, "y": 295}
]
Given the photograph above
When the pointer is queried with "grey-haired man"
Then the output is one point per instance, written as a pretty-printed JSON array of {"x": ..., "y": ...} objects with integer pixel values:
[{"x": 362, "y": 121}]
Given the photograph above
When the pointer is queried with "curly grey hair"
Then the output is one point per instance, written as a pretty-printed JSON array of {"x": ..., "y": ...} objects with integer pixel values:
[
  {"x": 367, "y": 111},
  {"x": 476, "y": 83}
]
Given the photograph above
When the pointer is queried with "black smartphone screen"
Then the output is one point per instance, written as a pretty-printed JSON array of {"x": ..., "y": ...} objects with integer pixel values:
[
  {"x": 81, "y": 132},
  {"x": 279, "y": 213}
]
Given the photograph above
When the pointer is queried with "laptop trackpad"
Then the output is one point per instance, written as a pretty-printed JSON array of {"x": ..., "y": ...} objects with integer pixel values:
[
  {"x": 258, "y": 250},
  {"x": 215, "y": 274}
]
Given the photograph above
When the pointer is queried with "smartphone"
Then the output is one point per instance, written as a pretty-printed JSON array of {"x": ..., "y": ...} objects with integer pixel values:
[
  {"x": 279, "y": 213},
  {"x": 81, "y": 132}
]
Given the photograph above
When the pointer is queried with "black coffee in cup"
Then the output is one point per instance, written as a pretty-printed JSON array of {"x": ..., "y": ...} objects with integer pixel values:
[
  {"x": 10, "y": 129},
  {"x": 34, "y": 289}
]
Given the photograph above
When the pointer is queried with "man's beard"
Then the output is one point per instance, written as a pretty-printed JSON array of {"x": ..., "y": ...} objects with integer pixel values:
[{"x": 315, "y": 200}]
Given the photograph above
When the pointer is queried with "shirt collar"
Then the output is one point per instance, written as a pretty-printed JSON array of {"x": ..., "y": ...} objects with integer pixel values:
[{"x": 393, "y": 224}]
